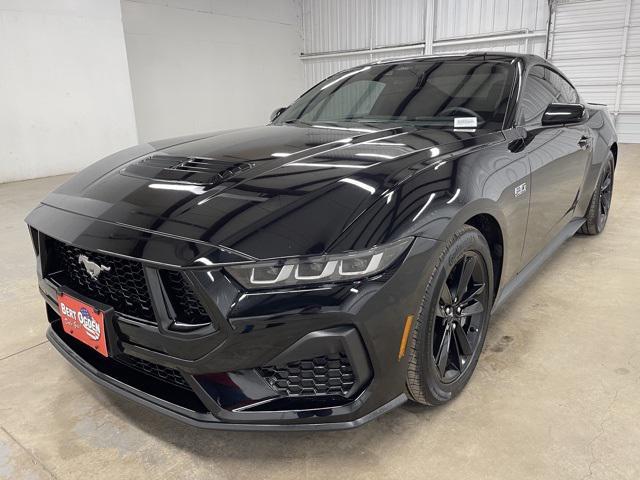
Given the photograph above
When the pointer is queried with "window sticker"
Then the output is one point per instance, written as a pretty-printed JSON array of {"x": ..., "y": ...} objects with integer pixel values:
[{"x": 465, "y": 122}]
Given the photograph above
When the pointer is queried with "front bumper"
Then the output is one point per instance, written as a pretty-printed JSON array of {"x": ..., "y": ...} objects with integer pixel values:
[
  {"x": 362, "y": 321},
  {"x": 201, "y": 419}
]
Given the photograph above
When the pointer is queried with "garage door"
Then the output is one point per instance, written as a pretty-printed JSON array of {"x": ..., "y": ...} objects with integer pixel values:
[{"x": 597, "y": 44}]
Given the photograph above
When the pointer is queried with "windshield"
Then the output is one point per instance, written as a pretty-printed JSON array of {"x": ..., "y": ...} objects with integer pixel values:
[{"x": 464, "y": 93}]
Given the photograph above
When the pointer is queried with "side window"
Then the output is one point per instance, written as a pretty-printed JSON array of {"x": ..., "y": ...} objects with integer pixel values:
[
  {"x": 568, "y": 94},
  {"x": 542, "y": 87},
  {"x": 538, "y": 93}
]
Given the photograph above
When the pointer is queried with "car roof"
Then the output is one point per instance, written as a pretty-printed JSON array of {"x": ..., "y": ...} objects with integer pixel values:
[{"x": 506, "y": 57}]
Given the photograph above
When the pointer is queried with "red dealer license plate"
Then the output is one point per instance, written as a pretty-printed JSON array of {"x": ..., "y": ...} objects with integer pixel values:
[{"x": 84, "y": 322}]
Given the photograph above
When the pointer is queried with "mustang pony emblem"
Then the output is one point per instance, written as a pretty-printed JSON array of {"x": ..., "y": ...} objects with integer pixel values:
[{"x": 92, "y": 268}]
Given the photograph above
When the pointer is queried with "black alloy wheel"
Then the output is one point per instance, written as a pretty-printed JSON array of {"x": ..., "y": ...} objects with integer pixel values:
[
  {"x": 598, "y": 212},
  {"x": 459, "y": 317},
  {"x": 606, "y": 191},
  {"x": 451, "y": 324}
]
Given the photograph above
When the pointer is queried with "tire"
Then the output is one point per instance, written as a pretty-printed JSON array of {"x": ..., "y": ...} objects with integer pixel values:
[
  {"x": 600, "y": 205},
  {"x": 428, "y": 382}
]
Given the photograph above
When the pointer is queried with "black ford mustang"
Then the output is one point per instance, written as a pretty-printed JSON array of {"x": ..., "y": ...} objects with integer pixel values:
[{"x": 321, "y": 270}]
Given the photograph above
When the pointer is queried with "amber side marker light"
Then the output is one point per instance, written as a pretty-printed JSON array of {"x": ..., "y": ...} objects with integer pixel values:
[{"x": 405, "y": 336}]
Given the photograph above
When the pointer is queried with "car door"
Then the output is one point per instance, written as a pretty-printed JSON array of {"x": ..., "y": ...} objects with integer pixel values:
[{"x": 557, "y": 157}]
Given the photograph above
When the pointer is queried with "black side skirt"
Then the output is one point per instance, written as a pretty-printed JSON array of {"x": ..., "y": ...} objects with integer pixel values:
[{"x": 534, "y": 265}]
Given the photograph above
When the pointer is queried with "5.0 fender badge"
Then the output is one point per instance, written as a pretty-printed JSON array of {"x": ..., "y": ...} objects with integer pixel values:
[{"x": 520, "y": 189}]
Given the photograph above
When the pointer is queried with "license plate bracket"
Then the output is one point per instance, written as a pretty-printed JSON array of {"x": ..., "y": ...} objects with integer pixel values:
[{"x": 84, "y": 322}]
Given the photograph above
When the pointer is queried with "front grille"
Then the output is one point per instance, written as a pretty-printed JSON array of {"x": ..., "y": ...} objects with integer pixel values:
[
  {"x": 160, "y": 372},
  {"x": 183, "y": 298},
  {"x": 123, "y": 286},
  {"x": 325, "y": 375}
]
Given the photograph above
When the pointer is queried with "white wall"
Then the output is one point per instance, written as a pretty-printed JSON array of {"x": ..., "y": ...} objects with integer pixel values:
[
  {"x": 65, "y": 96},
  {"x": 205, "y": 65}
]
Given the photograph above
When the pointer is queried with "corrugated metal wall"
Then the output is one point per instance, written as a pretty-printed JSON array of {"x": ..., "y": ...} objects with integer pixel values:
[
  {"x": 597, "y": 44},
  {"x": 344, "y": 33},
  {"x": 459, "y": 18}
]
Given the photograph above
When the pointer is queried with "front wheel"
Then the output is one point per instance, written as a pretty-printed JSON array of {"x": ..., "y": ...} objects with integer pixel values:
[
  {"x": 598, "y": 212},
  {"x": 452, "y": 323}
]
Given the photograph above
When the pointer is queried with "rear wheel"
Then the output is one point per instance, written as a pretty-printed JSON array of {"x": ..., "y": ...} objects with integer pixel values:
[
  {"x": 452, "y": 322},
  {"x": 598, "y": 213}
]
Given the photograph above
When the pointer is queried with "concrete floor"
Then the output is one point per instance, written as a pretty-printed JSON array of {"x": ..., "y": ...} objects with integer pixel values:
[{"x": 555, "y": 394}]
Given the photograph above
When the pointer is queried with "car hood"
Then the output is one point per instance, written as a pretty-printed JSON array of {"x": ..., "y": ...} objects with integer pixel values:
[{"x": 270, "y": 191}]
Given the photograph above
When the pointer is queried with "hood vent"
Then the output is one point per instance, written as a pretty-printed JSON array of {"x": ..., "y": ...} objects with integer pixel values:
[{"x": 194, "y": 170}]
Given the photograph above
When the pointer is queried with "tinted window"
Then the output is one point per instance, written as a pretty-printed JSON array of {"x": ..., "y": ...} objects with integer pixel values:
[
  {"x": 542, "y": 87},
  {"x": 354, "y": 99},
  {"x": 431, "y": 92},
  {"x": 567, "y": 93}
]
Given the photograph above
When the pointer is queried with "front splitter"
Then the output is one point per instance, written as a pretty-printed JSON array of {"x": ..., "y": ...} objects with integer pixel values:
[{"x": 199, "y": 419}]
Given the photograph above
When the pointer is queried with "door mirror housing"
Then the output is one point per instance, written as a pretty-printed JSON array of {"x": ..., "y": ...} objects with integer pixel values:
[
  {"x": 563, "y": 113},
  {"x": 276, "y": 113}
]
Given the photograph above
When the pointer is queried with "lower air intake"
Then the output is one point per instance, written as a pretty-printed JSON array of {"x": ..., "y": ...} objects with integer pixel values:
[
  {"x": 160, "y": 372},
  {"x": 325, "y": 375}
]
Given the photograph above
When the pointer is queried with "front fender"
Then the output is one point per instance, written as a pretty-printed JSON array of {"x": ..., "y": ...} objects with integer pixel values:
[{"x": 438, "y": 201}]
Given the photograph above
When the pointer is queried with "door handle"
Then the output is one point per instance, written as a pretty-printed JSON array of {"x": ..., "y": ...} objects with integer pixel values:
[{"x": 584, "y": 142}]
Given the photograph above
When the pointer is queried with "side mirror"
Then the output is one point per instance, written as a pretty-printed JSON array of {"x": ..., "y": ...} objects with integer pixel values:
[
  {"x": 276, "y": 113},
  {"x": 563, "y": 113}
]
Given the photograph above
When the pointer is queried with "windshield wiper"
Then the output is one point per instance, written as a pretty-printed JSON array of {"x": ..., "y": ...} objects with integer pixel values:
[
  {"x": 295, "y": 121},
  {"x": 367, "y": 120}
]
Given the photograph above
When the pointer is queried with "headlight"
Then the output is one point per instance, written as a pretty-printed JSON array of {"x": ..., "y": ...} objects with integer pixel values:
[{"x": 314, "y": 270}]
